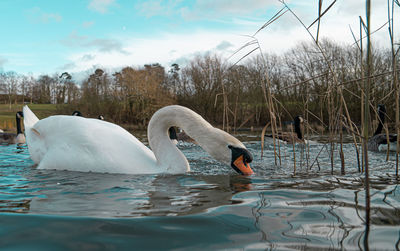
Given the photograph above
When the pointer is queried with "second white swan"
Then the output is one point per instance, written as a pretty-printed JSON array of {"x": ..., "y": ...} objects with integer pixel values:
[{"x": 91, "y": 145}]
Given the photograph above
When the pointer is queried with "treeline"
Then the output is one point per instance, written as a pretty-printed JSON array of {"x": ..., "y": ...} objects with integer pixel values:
[{"x": 302, "y": 80}]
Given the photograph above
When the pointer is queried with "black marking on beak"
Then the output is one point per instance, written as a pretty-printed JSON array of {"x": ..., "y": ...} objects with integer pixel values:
[{"x": 236, "y": 153}]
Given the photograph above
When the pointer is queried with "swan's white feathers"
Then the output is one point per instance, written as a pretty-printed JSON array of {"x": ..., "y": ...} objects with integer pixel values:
[
  {"x": 211, "y": 139},
  {"x": 80, "y": 144},
  {"x": 29, "y": 117},
  {"x": 217, "y": 143}
]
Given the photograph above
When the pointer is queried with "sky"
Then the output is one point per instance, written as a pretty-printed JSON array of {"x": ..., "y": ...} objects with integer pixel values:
[{"x": 53, "y": 36}]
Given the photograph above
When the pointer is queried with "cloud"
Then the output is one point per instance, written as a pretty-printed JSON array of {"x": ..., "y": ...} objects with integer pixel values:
[
  {"x": 224, "y": 45},
  {"x": 87, "y": 24},
  {"x": 88, "y": 57},
  {"x": 165, "y": 49},
  {"x": 37, "y": 15},
  {"x": 177, "y": 47},
  {"x": 102, "y": 45},
  {"x": 100, "y": 6},
  {"x": 3, "y": 61},
  {"x": 75, "y": 40},
  {"x": 107, "y": 45},
  {"x": 67, "y": 66},
  {"x": 233, "y": 6},
  {"x": 48, "y": 17},
  {"x": 152, "y": 8},
  {"x": 204, "y": 9}
]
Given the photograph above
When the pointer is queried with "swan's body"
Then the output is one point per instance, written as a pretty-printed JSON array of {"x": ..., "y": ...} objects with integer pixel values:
[
  {"x": 81, "y": 144},
  {"x": 12, "y": 138},
  {"x": 379, "y": 141}
]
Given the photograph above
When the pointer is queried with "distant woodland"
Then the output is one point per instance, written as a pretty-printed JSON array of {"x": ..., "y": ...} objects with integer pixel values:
[{"x": 224, "y": 93}]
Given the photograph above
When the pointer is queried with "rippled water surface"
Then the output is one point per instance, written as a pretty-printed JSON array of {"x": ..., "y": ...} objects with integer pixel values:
[{"x": 209, "y": 208}]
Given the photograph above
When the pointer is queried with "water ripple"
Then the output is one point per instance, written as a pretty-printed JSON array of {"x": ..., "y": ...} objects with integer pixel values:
[{"x": 277, "y": 208}]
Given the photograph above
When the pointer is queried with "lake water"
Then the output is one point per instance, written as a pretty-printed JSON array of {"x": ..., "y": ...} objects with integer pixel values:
[{"x": 209, "y": 208}]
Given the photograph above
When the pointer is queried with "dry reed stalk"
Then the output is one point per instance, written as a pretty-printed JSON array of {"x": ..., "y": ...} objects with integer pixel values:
[
  {"x": 387, "y": 140},
  {"x": 362, "y": 94},
  {"x": 246, "y": 120},
  {"x": 268, "y": 97},
  {"x": 343, "y": 102},
  {"x": 366, "y": 122},
  {"x": 279, "y": 143},
  {"x": 331, "y": 128},
  {"x": 294, "y": 151},
  {"x": 342, "y": 163},
  {"x": 395, "y": 80},
  {"x": 235, "y": 113},
  {"x": 332, "y": 73},
  {"x": 226, "y": 111},
  {"x": 306, "y": 118},
  {"x": 340, "y": 124},
  {"x": 265, "y": 83},
  {"x": 262, "y": 138}
]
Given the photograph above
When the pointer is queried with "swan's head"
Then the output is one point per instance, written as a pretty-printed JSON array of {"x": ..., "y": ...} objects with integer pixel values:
[
  {"x": 227, "y": 149},
  {"x": 240, "y": 160},
  {"x": 101, "y": 117}
]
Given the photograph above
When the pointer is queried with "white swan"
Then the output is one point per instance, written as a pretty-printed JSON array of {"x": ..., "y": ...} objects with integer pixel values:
[{"x": 81, "y": 144}]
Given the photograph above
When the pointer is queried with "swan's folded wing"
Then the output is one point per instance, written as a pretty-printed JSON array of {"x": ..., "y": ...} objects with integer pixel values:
[
  {"x": 81, "y": 144},
  {"x": 33, "y": 139},
  {"x": 30, "y": 118}
]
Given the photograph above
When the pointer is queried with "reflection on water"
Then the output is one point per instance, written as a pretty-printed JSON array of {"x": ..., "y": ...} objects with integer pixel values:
[{"x": 212, "y": 207}]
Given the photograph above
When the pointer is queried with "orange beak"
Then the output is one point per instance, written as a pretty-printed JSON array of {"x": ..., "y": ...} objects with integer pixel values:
[{"x": 243, "y": 167}]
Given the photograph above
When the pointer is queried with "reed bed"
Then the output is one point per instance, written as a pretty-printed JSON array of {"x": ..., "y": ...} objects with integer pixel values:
[{"x": 337, "y": 106}]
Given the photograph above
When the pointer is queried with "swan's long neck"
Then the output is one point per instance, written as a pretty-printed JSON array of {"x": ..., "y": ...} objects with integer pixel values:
[{"x": 167, "y": 154}]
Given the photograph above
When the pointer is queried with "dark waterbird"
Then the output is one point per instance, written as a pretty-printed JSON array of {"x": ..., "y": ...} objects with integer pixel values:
[
  {"x": 79, "y": 114},
  {"x": 14, "y": 138},
  {"x": 379, "y": 141},
  {"x": 292, "y": 137}
]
